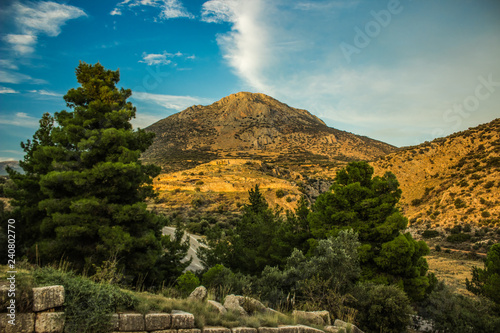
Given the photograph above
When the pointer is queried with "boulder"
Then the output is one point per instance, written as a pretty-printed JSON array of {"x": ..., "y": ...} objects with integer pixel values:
[
  {"x": 342, "y": 324},
  {"x": 310, "y": 317},
  {"x": 199, "y": 294},
  {"x": 307, "y": 329},
  {"x": 48, "y": 298},
  {"x": 325, "y": 315},
  {"x": 232, "y": 303},
  {"x": 217, "y": 307}
]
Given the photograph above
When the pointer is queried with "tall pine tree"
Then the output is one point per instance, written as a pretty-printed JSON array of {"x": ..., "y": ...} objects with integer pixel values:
[{"x": 82, "y": 195}]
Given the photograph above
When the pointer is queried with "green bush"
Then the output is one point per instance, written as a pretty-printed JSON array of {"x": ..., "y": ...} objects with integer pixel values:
[
  {"x": 280, "y": 193},
  {"x": 382, "y": 308},
  {"x": 187, "y": 282},
  {"x": 88, "y": 305},
  {"x": 458, "y": 238},
  {"x": 459, "y": 203},
  {"x": 430, "y": 233}
]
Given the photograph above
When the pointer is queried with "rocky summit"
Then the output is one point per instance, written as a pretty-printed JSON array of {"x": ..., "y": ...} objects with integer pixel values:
[{"x": 253, "y": 125}]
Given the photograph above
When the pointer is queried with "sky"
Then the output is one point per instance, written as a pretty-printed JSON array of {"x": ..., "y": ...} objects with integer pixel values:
[{"x": 402, "y": 72}]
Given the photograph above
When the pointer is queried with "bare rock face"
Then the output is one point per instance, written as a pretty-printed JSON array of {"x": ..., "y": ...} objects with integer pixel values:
[
  {"x": 232, "y": 303},
  {"x": 48, "y": 298},
  {"x": 182, "y": 320},
  {"x": 157, "y": 321},
  {"x": 244, "y": 305},
  {"x": 342, "y": 324},
  {"x": 199, "y": 294},
  {"x": 310, "y": 317}
]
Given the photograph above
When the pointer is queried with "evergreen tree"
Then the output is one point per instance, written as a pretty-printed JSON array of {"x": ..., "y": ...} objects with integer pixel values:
[
  {"x": 368, "y": 205},
  {"x": 82, "y": 195},
  {"x": 486, "y": 282}
]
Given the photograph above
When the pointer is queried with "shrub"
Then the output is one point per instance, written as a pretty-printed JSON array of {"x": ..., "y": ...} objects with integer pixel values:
[
  {"x": 382, "y": 308},
  {"x": 280, "y": 193},
  {"x": 459, "y": 203},
  {"x": 489, "y": 184},
  {"x": 416, "y": 202},
  {"x": 187, "y": 282},
  {"x": 88, "y": 305},
  {"x": 437, "y": 248},
  {"x": 430, "y": 233},
  {"x": 485, "y": 214},
  {"x": 458, "y": 238}
]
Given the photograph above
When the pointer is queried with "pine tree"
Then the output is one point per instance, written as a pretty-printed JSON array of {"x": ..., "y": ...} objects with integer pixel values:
[
  {"x": 83, "y": 191},
  {"x": 368, "y": 206}
]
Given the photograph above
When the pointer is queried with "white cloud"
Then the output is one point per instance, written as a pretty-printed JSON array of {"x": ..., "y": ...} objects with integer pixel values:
[
  {"x": 21, "y": 119},
  {"x": 7, "y": 63},
  {"x": 177, "y": 103},
  {"x": 5, "y": 90},
  {"x": 16, "y": 78},
  {"x": 38, "y": 18},
  {"x": 168, "y": 8},
  {"x": 46, "y": 93},
  {"x": 155, "y": 59}
]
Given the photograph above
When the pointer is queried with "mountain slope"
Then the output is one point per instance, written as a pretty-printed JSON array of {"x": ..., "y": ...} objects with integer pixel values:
[
  {"x": 450, "y": 181},
  {"x": 253, "y": 125}
]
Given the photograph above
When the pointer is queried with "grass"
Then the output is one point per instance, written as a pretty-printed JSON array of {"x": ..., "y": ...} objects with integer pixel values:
[{"x": 89, "y": 305}]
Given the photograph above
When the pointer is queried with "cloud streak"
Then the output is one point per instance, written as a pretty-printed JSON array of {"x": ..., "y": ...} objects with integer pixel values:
[
  {"x": 169, "y": 9},
  {"x": 20, "y": 119}
]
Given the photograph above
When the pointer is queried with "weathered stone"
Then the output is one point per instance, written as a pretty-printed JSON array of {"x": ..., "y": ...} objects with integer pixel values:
[
  {"x": 307, "y": 329},
  {"x": 24, "y": 323},
  {"x": 272, "y": 312},
  {"x": 199, "y": 294},
  {"x": 342, "y": 324},
  {"x": 181, "y": 320},
  {"x": 232, "y": 303},
  {"x": 217, "y": 307},
  {"x": 289, "y": 329},
  {"x": 48, "y": 298},
  {"x": 131, "y": 322},
  {"x": 115, "y": 321},
  {"x": 49, "y": 322},
  {"x": 309, "y": 317},
  {"x": 157, "y": 321},
  {"x": 325, "y": 315},
  {"x": 189, "y": 330},
  {"x": 167, "y": 331},
  {"x": 268, "y": 330},
  {"x": 208, "y": 329},
  {"x": 331, "y": 329},
  {"x": 243, "y": 330},
  {"x": 251, "y": 305}
]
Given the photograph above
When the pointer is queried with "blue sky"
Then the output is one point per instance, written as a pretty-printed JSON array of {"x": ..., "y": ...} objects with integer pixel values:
[{"x": 398, "y": 71}]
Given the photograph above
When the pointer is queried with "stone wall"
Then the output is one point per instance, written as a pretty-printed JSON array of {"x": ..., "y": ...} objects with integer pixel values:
[{"x": 48, "y": 317}]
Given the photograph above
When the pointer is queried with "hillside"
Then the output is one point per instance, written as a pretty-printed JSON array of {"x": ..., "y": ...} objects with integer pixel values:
[
  {"x": 12, "y": 164},
  {"x": 253, "y": 126},
  {"x": 451, "y": 181}
]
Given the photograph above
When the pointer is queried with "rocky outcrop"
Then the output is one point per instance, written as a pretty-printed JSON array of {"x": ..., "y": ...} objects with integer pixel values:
[{"x": 199, "y": 294}]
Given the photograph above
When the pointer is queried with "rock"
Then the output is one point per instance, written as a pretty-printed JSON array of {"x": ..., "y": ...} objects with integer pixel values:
[
  {"x": 182, "y": 320},
  {"x": 48, "y": 298},
  {"x": 243, "y": 330},
  {"x": 131, "y": 322},
  {"x": 189, "y": 330},
  {"x": 288, "y": 329},
  {"x": 342, "y": 324},
  {"x": 208, "y": 329},
  {"x": 268, "y": 330},
  {"x": 115, "y": 322},
  {"x": 232, "y": 303},
  {"x": 157, "y": 321},
  {"x": 310, "y": 317},
  {"x": 332, "y": 329},
  {"x": 25, "y": 323},
  {"x": 272, "y": 312},
  {"x": 49, "y": 322},
  {"x": 217, "y": 306},
  {"x": 325, "y": 315},
  {"x": 199, "y": 294},
  {"x": 307, "y": 329}
]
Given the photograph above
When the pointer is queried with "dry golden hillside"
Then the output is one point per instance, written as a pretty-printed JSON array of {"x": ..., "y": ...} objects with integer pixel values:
[{"x": 450, "y": 181}]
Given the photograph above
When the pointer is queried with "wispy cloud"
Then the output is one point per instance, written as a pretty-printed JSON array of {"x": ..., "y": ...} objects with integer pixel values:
[
  {"x": 8, "y": 64},
  {"x": 16, "y": 78},
  {"x": 162, "y": 58},
  {"x": 19, "y": 119},
  {"x": 172, "y": 102},
  {"x": 168, "y": 8},
  {"x": 45, "y": 93},
  {"x": 38, "y": 18},
  {"x": 5, "y": 90}
]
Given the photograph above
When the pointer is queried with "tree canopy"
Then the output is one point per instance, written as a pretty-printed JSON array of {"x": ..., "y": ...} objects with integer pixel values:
[{"x": 82, "y": 195}]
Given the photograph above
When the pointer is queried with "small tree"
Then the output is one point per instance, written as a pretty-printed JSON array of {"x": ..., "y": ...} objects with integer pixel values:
[
  {"x": 82, "y": 195},
  {"x": 486, "y": 282}
]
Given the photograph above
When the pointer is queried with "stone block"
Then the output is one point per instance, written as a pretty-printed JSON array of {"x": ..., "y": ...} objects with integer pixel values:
[
  {"x": 25, "y": 323},
  {"x": 199, "y": 294},
  {"x": 48, "y": 298},
  {"x": 131, "y": 322},
  {"x": 157, "y": 321},
  {"x": 115, "y": 321},
  {"x": 243, "y": 330},
  {"x": 182, "y": 320},
  {"x": 217, "y": 307},
  {"x": 209, "y": 329},
  {"x": 189, "y": 330},
  {"x": 268, "y": 330},
  {"x": 166, "y": 331},
  {"x": 331, "y": 329},
  {"x": 308, "y": 317},
  {"x": 49, "y": 322},
  {"x": 288, "y": 329},
  {"x": 325, "y": 315}
]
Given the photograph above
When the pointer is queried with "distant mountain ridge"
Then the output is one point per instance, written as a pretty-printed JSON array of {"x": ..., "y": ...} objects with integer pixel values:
[
  {"x": 254, "y": 125},
  {"x": 13, "y": 164}
]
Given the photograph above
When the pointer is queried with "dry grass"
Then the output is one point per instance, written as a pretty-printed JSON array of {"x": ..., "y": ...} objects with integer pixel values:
[{"x": 453, "y": 271}]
